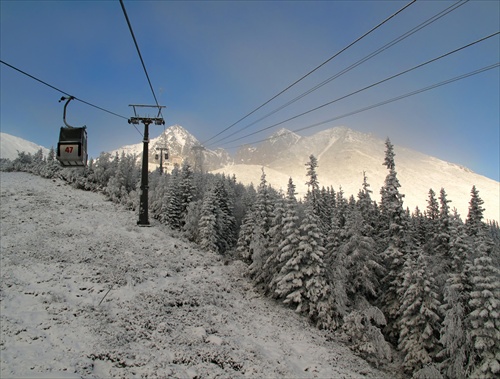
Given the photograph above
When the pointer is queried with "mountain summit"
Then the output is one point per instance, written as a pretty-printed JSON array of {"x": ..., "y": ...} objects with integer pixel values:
[{"x": 181, "y": 145}]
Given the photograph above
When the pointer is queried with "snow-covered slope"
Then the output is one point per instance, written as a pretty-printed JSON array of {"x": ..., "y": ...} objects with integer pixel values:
[
  {"x": 11, "y": 145},
  {"x": 343, "y": 155},
  {"x": 269, "y": 150},
  {"x": 85, "y": 292}
]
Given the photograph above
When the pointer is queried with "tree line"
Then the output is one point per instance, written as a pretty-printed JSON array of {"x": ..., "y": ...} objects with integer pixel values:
[{"x": 421, "y": 284}]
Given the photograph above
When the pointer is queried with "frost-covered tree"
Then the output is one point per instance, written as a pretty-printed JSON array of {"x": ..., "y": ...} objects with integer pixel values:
[
  {"x": 337, "y": 272},
  {"x": 104, "y": 168},
  {"x": 302, "y": 280},
  {"x": 124, "y": 178},
  {"x": 454, "y": 337},
  {"x": 313, "y": 195},
  {"x": 158, "y": 188},
  {"x": 312, "y": 183},
  {"x": 443, "y": 238},
  {"x": 172, "y": 208},
  {"x": 52, "y": 154},
  {"x": 392, "y": 227},
  {"x": 367, "y": 206},
  {"x": 359, "y": 249},
  {"x": 272, "y": 264},
  {"x": 432, "y": 206},
  {"x": 262, "y": 220},
  {"x": 226, "y": 227},
  {"x": 207, "y": 231},
  {"x": 290, "y": 237},
  {"x": 191, "y": 220},
  {"x": 362, "y": 329},
  {"x": 187, "y": 188},
  {"x": 474, "y": 221},
  {"x": 419, "y": 322},
  {"x": 245, "y": 235},
  {"x": 391, "y": 204},
  {"x": 484, "y": 319}
]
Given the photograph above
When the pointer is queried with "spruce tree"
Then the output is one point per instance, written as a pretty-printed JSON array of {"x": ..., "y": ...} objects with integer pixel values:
[
  {"x": 226, "y": 227},
  {"x": 272, "y": 265},
  {"x": 207, "y": 234},
  {"x": 361, "y": 260},
  {"x": 393, "y": 225},
  {"x": 474, "y": 221},
  {"x": 186, "y": 189},
  {"x": 290, "y": 237},
  {"x": 243, "y": 244},
  {"x": 172, "y": 203},
  {"x": 302, "y": 280},
  {"x": 484, "y": 318},
  {"x": 262, "y": 223},
  {"x": 336, "y": 270},
  {"x": 419, "y": 322},
  {"x": 454, "y": 336}
]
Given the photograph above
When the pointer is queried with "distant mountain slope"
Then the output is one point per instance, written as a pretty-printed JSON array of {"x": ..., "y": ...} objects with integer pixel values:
[
  {"x": 11, "y": 145},
  {"x": 343, "y": 155}
]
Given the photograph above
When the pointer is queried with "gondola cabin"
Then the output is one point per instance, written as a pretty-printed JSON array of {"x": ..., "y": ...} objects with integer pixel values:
[{"x": 72, "y": 147}]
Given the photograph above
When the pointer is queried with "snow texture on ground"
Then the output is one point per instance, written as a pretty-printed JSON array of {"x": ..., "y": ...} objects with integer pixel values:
[{"x": 86, "y": 293}]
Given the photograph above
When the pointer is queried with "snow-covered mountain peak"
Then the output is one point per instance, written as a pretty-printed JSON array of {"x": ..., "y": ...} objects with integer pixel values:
[
  {"x": 284, "y": 137},
  {"x": 179, "y": 144}
]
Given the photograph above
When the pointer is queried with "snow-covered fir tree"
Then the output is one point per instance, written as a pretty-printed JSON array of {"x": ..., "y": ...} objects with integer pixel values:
[
  {"x": 393, "y": 225},
  {"x": 187, "y": 189},
  {"x": 272, "y": 264},
  {"x": 207, "y": 232},
  {"x": 302, "y": 282},
  {"x": 337, "y": 272},
  {"x": 484, "y": 319},
  {"x": 362, "y": 263},
  {"x": 419, "y": 321},
  {"x": 172, "y": 203},
  {"x": 226, "y": 227},
  {"x": 474, "y": 221},
  {"x": 454, "y": 333},
  {"x": 290, "y": 238},
  {"x": 263, "y": 215}
]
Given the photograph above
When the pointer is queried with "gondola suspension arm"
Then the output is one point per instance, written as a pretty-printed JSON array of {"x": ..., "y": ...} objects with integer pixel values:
[{"x": 68, "y": 99}]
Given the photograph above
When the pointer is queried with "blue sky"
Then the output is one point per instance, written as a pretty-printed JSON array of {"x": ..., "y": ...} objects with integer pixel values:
[{"x": 212, "y": 62}]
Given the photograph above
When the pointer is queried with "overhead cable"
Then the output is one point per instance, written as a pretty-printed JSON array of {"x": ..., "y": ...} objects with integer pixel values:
[
  {"x": 139, "y": 53},
  {"x": 367, "y": 87},
  {"x": 352, "y": 66},
  {"x": 313, "y": 70},
  {"x": 428, "y": 88}
]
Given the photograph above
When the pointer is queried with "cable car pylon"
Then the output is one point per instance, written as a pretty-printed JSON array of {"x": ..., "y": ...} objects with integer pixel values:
[
  {"x": 158, "y": 120},
  {"x": 162, "y": 155}
]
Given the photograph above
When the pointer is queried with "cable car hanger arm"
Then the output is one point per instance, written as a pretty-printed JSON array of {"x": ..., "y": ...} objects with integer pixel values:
[{"x": 68, "y": 99}]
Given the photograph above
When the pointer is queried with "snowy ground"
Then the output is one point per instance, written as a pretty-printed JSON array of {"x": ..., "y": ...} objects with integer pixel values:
[{"x": 86, "y": 293}]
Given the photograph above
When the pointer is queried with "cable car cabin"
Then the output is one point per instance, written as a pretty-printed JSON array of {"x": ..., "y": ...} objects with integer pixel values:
[
  {"x": 72, "y": 147},
  {"x": 157, "y": 156}
]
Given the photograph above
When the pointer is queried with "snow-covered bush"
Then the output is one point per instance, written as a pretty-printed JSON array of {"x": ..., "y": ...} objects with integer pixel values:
[{"x": 361, "y": 331}]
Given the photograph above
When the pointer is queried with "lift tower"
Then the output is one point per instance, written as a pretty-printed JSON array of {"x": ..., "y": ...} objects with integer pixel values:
[
  {"x": 162, "y": 155},
  {"x": 158, "y": 120}
]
